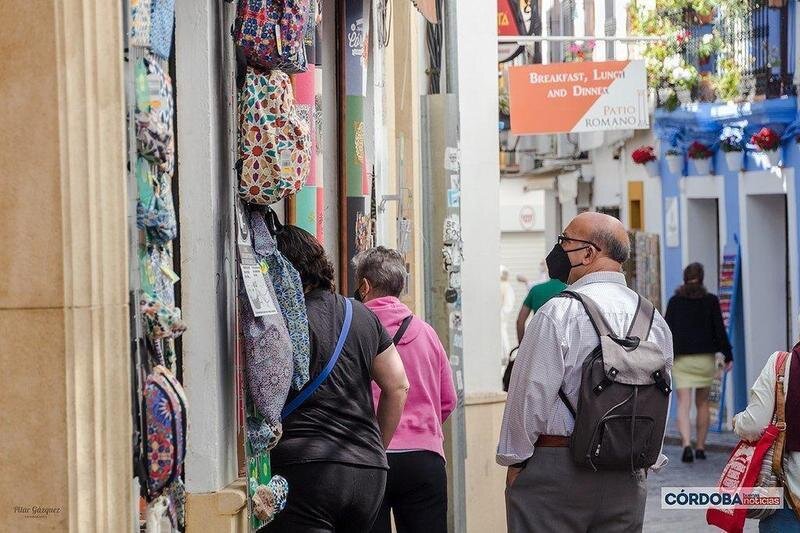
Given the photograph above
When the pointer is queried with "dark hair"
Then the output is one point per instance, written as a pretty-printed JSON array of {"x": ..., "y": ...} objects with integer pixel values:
[
  {"x": 307, "y": 255},
  {"x": 614, "y": 248},
  {"x": 384, "y": 268},
  {"x": 692, "y": 282}
]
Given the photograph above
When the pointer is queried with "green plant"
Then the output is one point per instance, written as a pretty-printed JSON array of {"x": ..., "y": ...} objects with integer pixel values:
[
  {"x": 730, "y": 80},
  {"x": 710, "y": 44},
  {"x": 672, "y": 103},
  {"x": 684, "y": 76},
  {"x": 703, "y": 8},
  {"x": 672, "y": 151}
]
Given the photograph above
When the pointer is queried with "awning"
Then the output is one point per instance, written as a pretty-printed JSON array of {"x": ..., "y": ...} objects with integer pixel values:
[{"x": 427, "y": 8}]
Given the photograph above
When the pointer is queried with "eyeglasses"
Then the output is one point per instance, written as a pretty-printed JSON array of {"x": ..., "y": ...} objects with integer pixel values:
[{"x": 563, "y": 238}]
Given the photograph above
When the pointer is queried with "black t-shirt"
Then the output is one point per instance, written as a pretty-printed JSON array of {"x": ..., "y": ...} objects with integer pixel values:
[{"x": 337, "y": 423}]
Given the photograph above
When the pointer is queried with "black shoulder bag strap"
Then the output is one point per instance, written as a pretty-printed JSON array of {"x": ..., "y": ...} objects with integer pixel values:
[{"x": 402, "y": 329}]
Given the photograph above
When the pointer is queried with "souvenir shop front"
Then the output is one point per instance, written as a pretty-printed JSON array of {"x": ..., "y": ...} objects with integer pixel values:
[{"x": 241, "y": 117}]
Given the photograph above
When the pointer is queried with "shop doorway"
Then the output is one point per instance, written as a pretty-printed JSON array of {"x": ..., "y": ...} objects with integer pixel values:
[
  {"x": 703, "y": 240},
  {"x": 767, "y": 301}
]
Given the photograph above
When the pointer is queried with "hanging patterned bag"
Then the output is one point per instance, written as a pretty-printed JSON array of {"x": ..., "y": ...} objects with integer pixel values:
[
  {"x": 274, "y": 142},
  {"x": 165, "y": 419},
  {"x": 271, "y": 33},
  {"x": 162, "y": 19},
  {"x": 289, "y": 291},
  {"x": 140, "y": 23},
  {"x": 268, "y": 353},
  {"x": 155, "y": 210},
  {"x": 154, "y": 115}
]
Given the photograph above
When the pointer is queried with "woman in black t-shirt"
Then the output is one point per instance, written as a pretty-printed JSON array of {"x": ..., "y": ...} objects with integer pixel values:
[
  {"x": 332, "y": 451},
  {"x": 695, "y": 319}
]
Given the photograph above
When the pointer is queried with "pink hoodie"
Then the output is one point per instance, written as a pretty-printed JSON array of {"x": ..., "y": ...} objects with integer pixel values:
[{"x": 432, "y": 396}]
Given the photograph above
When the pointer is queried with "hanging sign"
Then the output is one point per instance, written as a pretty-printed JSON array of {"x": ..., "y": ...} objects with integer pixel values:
[
  {"x": 507, "y": 19},
  {"x": 576, "y": 97}
]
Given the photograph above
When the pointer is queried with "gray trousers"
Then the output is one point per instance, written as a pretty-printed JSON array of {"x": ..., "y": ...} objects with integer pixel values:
[{"x": 552, "y": 493}]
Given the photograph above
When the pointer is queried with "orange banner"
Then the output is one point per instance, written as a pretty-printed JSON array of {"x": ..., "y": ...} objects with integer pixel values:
[{"x": 575, "y": 97}]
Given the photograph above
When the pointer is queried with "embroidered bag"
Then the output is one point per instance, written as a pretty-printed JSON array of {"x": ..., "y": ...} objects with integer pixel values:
[
  {"x": 748, "y": 465},
  {"x": 274, "y": 143},
  {"x": 268, "y": 354},
  {"x": 271, "y": 33},
  {"x": 270, "y": 499},
  {"x": 289, "y": 291},
  {"x": 161, "y": 321},
  {"x": 165, "y": 439},
  {"x": 162, "y": 21},
  {"x": 140, "y": 23},
  {"x": 154, "y": 115},
  {"x": 155, "y": 210}
]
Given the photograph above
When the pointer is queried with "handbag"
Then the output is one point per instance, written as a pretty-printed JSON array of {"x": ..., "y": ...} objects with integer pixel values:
[
  {"x": 748, "y": 465},
  {"x": 509, "y": 369}
]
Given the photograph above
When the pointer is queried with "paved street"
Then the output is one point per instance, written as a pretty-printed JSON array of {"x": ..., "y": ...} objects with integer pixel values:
[{"x": 677, "y": 474}]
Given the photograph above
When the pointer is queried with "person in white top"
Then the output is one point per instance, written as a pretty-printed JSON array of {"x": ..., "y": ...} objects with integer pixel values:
[
  {"x": 751, "y": 423},
  {"x": 507, "y": 300}
]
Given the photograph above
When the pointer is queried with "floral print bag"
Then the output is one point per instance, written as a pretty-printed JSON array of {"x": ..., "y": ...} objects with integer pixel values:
[
  {"x": 274, "y": 142},
  {"x": 271, "y": 33}
]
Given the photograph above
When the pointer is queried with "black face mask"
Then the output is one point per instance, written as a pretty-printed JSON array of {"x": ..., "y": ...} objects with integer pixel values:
[
  {"x": 357, "y": 296},
  {"x": 558, "y": 264}
]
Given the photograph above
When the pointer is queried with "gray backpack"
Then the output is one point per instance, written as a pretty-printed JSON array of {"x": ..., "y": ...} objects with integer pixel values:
[{"x": 624, "y": 395}]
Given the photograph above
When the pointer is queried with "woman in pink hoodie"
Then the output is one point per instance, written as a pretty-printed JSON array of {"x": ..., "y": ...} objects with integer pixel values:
[{"x": 416, "y": 489}]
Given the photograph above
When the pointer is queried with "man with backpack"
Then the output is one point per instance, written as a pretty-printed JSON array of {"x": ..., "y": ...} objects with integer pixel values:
[{"x": 589, "y": 395}]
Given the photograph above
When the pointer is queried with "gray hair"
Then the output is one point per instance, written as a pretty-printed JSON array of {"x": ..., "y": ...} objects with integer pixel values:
[
  {"x": 616, "y": 249},
  {"x": 384, "y": 268}
]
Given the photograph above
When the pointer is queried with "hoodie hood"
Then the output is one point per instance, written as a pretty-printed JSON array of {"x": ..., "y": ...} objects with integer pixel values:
[{"x": 391, "y": 312}]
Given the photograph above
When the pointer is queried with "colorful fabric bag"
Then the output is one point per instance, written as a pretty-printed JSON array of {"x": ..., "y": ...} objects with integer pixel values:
[
  {"x": 154, "y": 115},
  {"x": 161, "y": 321},
  {"x": 140, "y": 22},
  {"x": 271, "y": 33},
  {"x": 155, "y": 210},
  {"x": 274, "y": 142},
  {"x": 748, "y": 467},
  {"x": 289, "y": 292},
  {"x": 162, "y": 22},
  {"x": 268, "y": 355},
  {"x": 165, "y": 439},
  {"x": 270, "y": 499}
]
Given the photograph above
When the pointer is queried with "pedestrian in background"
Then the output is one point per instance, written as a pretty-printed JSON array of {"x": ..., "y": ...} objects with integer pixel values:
[
  {"x": 546, "y": 490},
  {"x": 507, "y": 299},
  {"x": 698, "y": 333},
  {"x": 537, "y": 296},
  {"x": 332, "y": 451},
  {"x": 416, "y": 489}
]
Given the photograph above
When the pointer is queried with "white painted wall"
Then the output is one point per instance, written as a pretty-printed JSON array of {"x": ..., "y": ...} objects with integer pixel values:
[
  {"x": 205, "y": 114},
  {"x": 702, "y": 242},
  {"x": 477, "y": 59}
]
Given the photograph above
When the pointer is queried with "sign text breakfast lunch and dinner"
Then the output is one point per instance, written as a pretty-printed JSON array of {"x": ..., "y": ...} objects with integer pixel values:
[{"x": 576, "y": 97}]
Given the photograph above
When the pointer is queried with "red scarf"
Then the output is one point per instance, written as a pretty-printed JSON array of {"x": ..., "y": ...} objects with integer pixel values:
[{"x": 793, "y": 403}]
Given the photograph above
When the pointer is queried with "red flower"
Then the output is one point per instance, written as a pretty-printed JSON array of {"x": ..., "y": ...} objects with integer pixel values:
[
  {"x": 643, "y": 155},
  {"x": 698, "y": 150},
  {"x": 766, "y": 139}
]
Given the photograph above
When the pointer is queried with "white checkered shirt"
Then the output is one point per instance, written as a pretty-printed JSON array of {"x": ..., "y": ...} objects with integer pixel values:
[{"x": 551, "y": 355}]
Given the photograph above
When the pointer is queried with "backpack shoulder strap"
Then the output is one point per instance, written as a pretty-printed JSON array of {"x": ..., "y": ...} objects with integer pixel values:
[
  {"x": 642, "y": 319},
  {"x": 402, "y": 329},
  {"x": 593, "y": 310},
  {"x": 314, "y": 385}
]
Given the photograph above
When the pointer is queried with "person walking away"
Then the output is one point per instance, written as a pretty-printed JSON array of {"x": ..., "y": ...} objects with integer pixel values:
[
  {"x": 332, "y": 449},
  {"x": 546, "y": 490},
  {"x": 698, "y": 333},
  {"x": 507, "y": 299},
  {"x": 416, "y": 489},
  {"x": 750, "y": 424},
  {"x": 522, "y": 278},
  {"x": 537, "y": 296}
]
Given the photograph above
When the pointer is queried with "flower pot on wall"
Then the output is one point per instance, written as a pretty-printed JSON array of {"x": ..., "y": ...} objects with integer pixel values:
[
  {"x": 777, "y": 3},
  {"x": 674, "y": 163},
  {"x": 651, "y": 167},
  {"x": 734, "y": 160},
  {"x": 773, "y": 156},
  {"x": 702, "y": 166},
  {"x": 705, "y": 19}
]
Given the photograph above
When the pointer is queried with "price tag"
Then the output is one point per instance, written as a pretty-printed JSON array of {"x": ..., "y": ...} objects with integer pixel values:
[{"x": 258, "y": 292}]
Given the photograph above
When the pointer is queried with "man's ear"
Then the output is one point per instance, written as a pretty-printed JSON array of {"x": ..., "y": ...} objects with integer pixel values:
[{"x": 367, "y": 287}]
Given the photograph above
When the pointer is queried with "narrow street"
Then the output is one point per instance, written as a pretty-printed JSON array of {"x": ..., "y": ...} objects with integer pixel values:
[{"x": 677, "y": 474}]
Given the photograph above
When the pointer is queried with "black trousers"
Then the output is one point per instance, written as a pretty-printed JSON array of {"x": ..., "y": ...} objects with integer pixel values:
[
  {"x": 416, "y": 493},
  {"x": 329, "y": 497}
]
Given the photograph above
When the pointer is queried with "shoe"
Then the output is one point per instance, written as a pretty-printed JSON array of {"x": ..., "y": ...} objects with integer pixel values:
[
  {"x": 700, "y": 454},
  {"x": 688, "y": 455}
]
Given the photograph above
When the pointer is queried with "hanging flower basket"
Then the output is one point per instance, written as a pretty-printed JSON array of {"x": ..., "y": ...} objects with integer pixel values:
[
  {"x": 674, "y": 161},
  {"x": 651, "y": 167},
  {"x": 734, "y": 160},
  {"x": 769, "y": 142},
  {"x": 701, "y": 154},
  {"x": 702, "y": 166}
]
